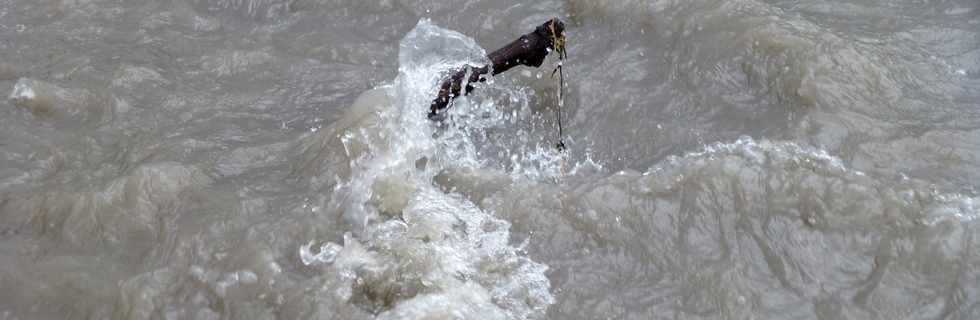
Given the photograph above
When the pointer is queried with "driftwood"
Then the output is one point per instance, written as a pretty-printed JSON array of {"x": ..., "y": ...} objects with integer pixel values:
[{"x": 529, "y": 50}]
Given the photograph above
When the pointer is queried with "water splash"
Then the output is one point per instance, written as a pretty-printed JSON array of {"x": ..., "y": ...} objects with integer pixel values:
[{"x": 415, "y": 250}]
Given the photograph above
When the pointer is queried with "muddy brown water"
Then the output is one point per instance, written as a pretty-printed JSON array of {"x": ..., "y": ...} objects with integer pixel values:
[{"x": 270, "y": 159}]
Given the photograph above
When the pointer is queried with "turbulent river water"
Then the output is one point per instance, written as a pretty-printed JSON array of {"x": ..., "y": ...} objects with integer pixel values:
[{"x": 271, "y": 159}]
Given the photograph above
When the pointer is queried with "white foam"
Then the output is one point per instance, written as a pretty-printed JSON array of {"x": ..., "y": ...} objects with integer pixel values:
[
  {"x": 328, "y": 252},
  {"x": 951, "y": 207},
  {"x": 757, "y": 152},
  {"x": 431, "y": 254},
  {"x": 23, "y": 90}
]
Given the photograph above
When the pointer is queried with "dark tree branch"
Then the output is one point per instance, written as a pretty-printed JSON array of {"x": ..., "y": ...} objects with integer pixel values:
[{"x": 529, "y": 50}]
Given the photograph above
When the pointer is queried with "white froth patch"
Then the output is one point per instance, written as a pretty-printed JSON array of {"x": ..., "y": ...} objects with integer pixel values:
[
  {"x": 467, "y": 301},
  {"x": 952, "y": 207},
  {"x": 326, "y": 254},
  {"x": 415, "y": 251},
  {"x": 443, "y": 243},
  {"x": 758, "y": 152},
  {"x": 22, "y": 91}
]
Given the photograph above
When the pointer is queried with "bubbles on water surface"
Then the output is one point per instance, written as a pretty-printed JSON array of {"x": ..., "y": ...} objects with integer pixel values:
[{"x": 417, "y": 251}]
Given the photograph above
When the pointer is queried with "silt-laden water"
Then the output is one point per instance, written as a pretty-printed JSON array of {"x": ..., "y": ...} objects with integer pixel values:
[{"x": 271, "y": 159}]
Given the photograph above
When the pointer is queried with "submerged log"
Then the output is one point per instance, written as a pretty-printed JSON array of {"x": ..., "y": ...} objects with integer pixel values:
[{"x": 529, "y": 50}]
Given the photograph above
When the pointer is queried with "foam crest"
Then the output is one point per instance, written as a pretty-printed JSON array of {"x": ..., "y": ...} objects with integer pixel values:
[{"x": 933, "y": 206}]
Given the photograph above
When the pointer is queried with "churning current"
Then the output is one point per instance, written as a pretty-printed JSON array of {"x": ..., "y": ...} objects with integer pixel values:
[{"x": 271, "y": 159}]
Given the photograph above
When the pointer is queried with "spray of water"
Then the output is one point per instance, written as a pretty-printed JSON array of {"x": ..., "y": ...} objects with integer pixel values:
[{"x": 414, "y": 250}]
